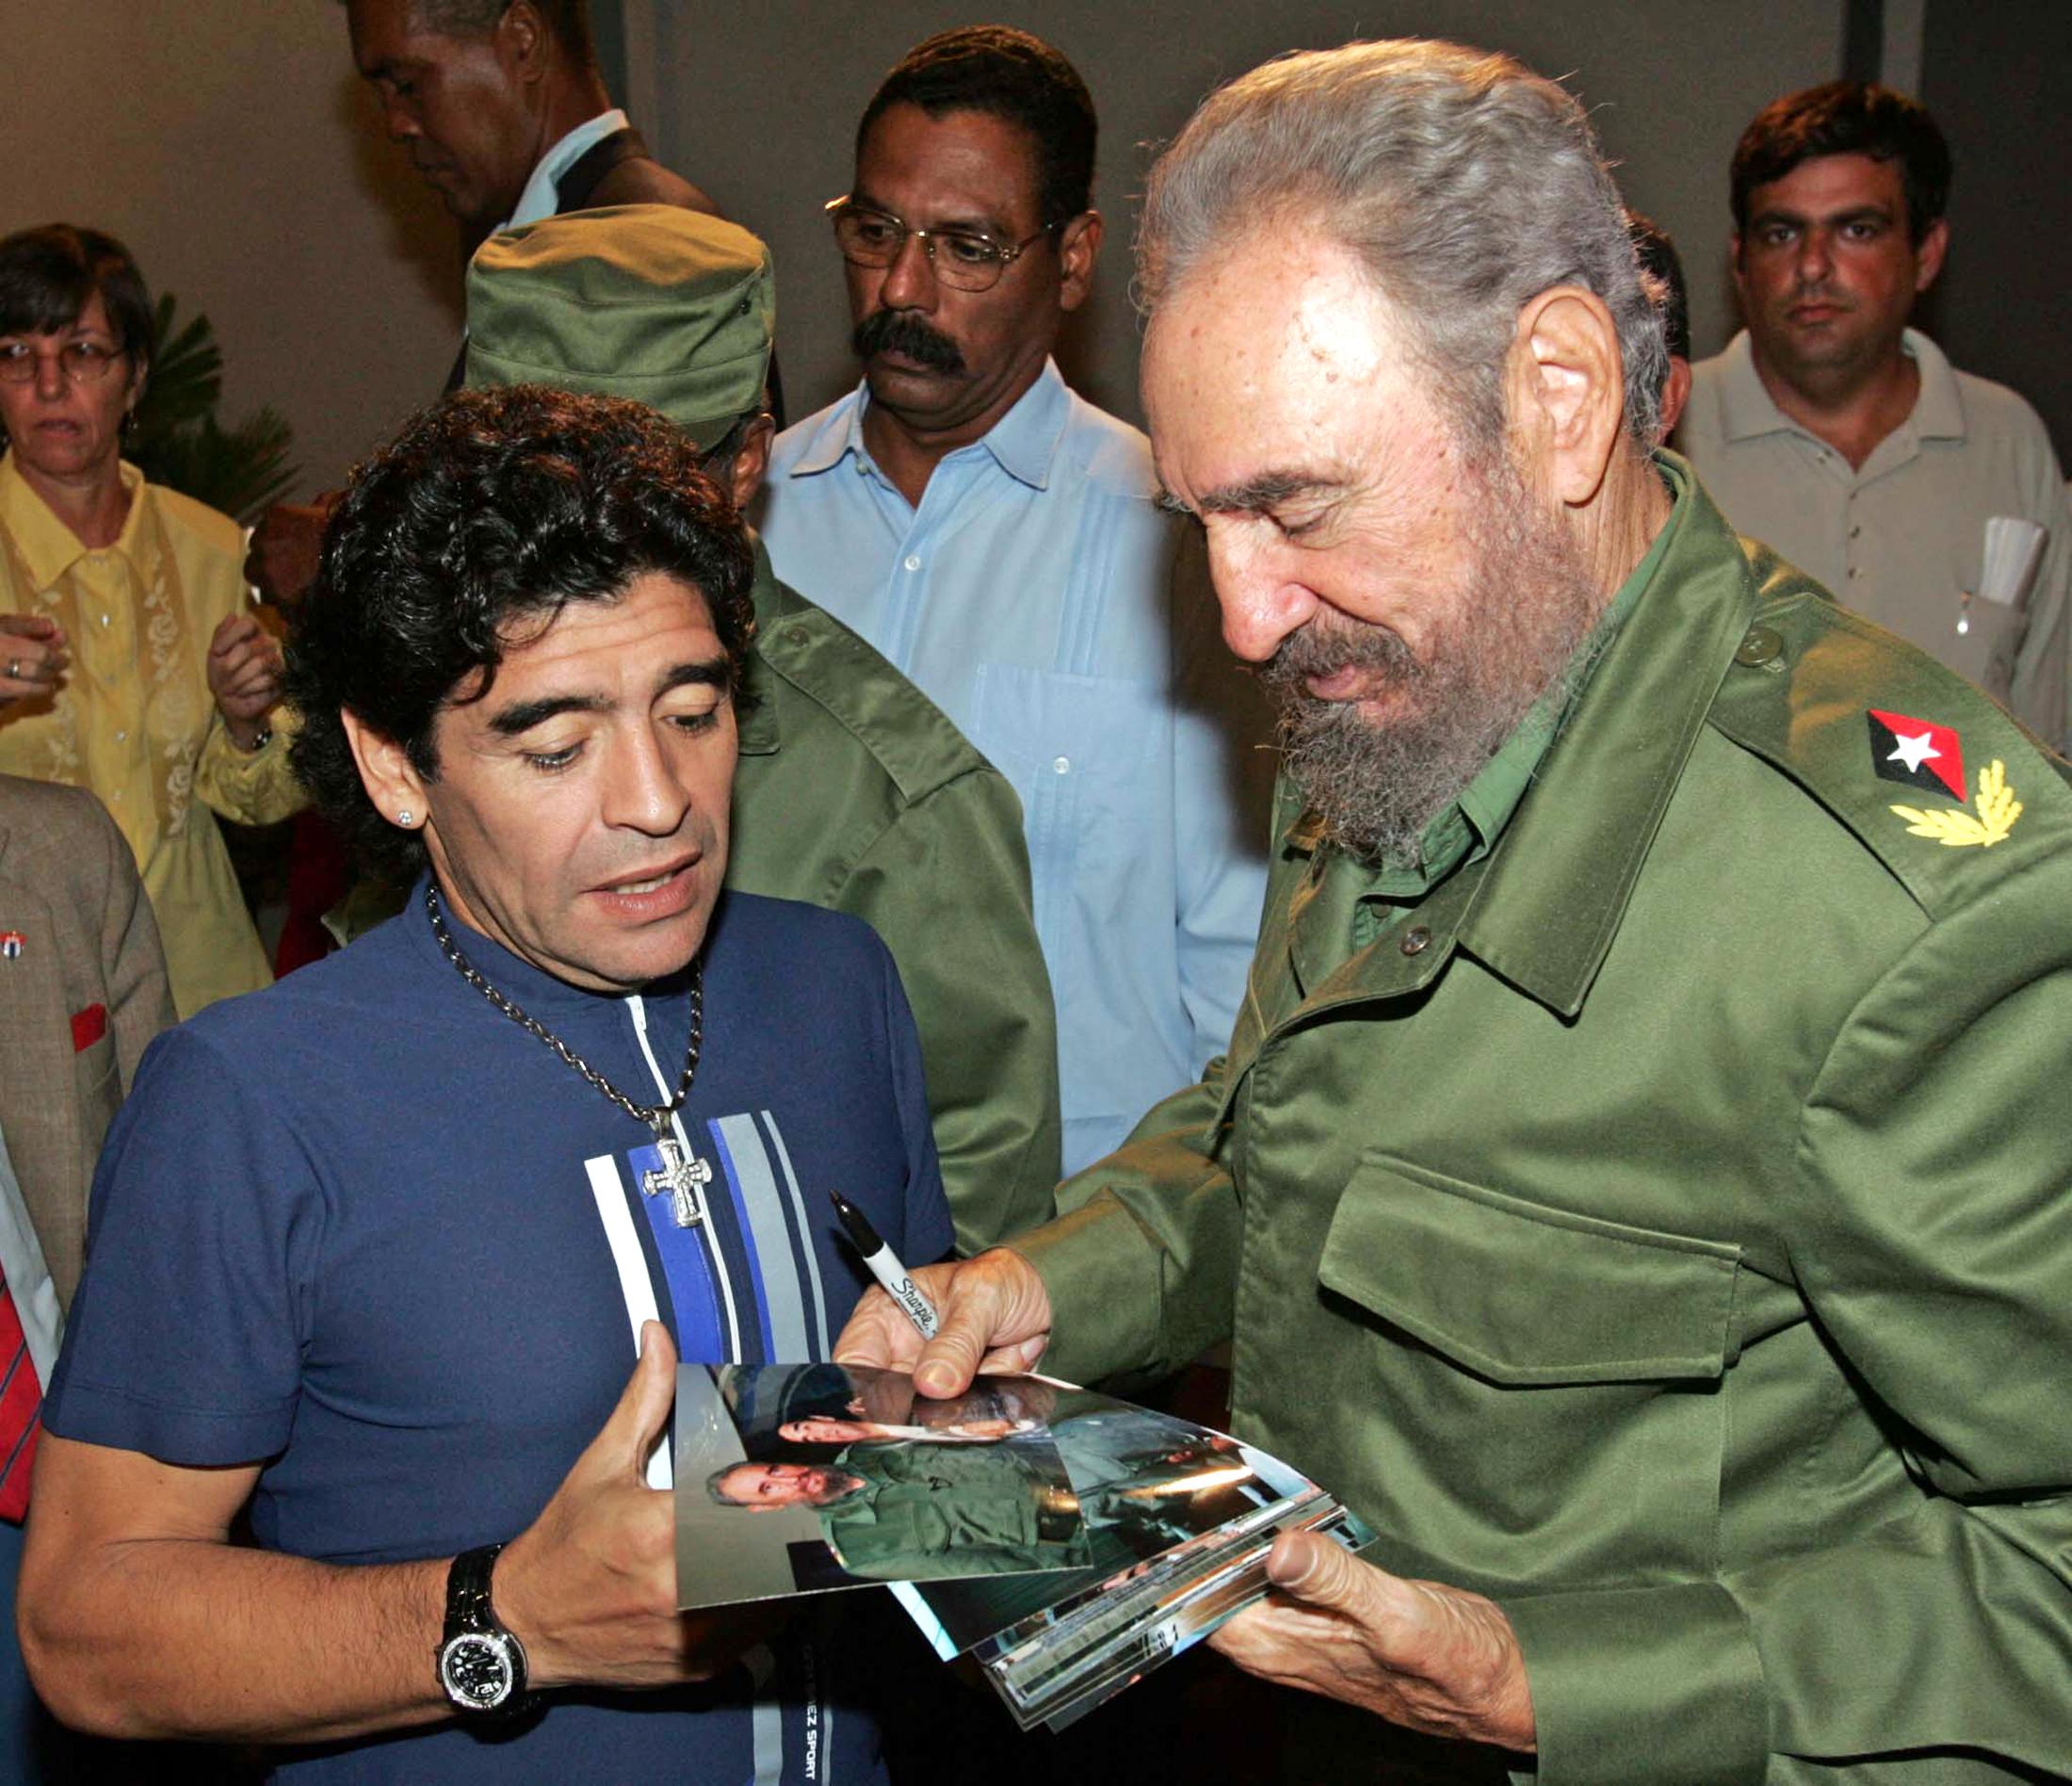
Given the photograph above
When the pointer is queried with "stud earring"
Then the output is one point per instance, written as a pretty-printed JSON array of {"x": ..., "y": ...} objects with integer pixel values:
[{"x": 405, "y": 817}]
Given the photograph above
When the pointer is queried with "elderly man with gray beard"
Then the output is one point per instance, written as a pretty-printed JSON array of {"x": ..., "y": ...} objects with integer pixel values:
[{"x": 1637, "y": 1183}]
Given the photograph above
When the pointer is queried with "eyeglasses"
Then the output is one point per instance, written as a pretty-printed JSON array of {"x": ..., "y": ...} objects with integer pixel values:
[
  {"x": 84, "y": 362},
  {"x": 965, "y": 260}
]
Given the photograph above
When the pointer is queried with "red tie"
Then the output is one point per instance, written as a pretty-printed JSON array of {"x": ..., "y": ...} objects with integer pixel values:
[{"x": 21, "y": 1402}]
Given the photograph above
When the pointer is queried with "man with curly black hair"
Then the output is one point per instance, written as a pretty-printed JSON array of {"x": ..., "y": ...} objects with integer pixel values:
[{"x": 374, "y": 1249}]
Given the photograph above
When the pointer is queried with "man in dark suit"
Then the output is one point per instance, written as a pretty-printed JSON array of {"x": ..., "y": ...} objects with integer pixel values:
[{"x": 503, "y": 111}]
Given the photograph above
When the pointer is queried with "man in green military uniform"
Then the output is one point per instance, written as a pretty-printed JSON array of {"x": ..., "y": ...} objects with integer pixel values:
[
  {"x": 853, "y": 790},
  {"x": 1638, "y": 1184},
  {"x": 896, "y": 1512}
]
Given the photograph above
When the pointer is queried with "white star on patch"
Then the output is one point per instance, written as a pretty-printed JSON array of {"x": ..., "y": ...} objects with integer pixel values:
[{"x": 1913, "y": 752}]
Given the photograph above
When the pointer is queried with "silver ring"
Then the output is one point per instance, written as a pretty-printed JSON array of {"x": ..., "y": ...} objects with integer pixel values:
[{"x": 14, "y": 669}]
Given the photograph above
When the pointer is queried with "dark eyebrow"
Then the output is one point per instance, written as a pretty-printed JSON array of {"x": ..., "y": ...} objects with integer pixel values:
[
  {"x": 1856, "y": 213},
  {"x": 994, "y": 227},
  {"x": 712, "y": 673},
  {"x": 520, "y": 718},
  {"x": 389, "y": 69},
  {"x": 1257, "y": 494}
]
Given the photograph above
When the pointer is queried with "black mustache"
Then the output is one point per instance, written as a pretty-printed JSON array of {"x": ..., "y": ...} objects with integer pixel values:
[{"x": 902, "y": 332}]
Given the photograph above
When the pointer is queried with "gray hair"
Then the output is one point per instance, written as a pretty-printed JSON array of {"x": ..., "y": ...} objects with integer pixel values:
[{"x": 1466, "y": 183}]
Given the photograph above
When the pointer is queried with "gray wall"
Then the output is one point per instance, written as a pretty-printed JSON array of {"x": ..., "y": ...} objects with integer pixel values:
[
  {"x": 228, "y": 143},
  {"x": 760, "y": 108},
  {"x": 1996, "y": 78}
]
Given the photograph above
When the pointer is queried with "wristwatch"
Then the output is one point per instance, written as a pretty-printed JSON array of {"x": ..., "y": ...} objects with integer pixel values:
[{"x": 481, "y": 1666}]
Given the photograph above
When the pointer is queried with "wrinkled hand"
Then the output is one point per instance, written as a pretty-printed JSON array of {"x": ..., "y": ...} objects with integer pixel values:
[
  {"x": 244, "y": 673},
  {"x": 285, "y": 547},
  {"x": 590, "y": 1587},
  {"x": 1432, "y": 1658},
  {"x": 32, "y": 656},
  {"x": 996, "y": 1316}
]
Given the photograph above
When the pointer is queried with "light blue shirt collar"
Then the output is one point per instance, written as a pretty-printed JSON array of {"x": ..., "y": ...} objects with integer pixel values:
[
  {"x": 540, "y": 198},
  {"x": 1023, "y": 442}
]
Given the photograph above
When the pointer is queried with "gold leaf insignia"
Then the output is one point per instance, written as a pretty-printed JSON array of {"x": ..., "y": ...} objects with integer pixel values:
[{"x": 1988, "y": 821}]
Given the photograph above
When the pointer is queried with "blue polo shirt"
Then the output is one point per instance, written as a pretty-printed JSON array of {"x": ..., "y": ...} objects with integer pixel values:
[{"x": 367, "y": 1232}]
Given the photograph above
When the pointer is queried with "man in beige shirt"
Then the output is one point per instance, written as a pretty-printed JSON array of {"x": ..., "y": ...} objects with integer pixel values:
[{"x": 1846, "y": 440}]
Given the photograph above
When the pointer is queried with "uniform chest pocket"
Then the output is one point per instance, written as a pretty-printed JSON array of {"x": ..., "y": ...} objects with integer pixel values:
[
  {"x": 1089, "y": 757},
  {"x": 1556, "y": 1377},
  {"x": 1523, "y": 1294}
]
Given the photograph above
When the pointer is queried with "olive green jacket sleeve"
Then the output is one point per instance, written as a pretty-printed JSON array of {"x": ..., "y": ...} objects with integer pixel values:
[
  {"x": 1141, "y": 1263},
  {"x": 947, "y": 887}
]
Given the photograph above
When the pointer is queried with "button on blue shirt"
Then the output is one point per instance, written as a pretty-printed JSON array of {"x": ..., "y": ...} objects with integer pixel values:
[{"x": 1032, "y": 597}]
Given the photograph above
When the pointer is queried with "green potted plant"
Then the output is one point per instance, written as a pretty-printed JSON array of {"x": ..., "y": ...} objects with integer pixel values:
[{"x": 177, "y": 439}]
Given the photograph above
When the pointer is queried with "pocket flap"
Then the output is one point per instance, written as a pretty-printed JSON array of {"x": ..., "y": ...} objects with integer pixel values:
[{"x": 1523, "y": 1294}]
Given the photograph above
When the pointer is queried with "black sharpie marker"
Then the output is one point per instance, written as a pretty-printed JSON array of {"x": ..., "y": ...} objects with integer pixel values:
[{"x": 882, "y": 1263}]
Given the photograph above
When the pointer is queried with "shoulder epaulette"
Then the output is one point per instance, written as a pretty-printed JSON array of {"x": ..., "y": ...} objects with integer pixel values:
[{"x": 1936, "y": 780}]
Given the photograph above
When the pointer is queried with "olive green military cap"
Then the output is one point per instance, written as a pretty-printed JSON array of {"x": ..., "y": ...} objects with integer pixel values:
[{"x": 671, "y": 308}]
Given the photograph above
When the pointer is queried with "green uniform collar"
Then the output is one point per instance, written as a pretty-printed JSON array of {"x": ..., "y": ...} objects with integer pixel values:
[
  {"x": 1542, "y": 909},
  {"x": 1551, "y": 901}
]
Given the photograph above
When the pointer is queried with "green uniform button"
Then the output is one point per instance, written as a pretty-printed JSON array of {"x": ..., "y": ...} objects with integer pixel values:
[
  {"x": 1416, "y": 939},
  {"x": 1760, "y": 646},
  {"x": 797, "y": 635}
]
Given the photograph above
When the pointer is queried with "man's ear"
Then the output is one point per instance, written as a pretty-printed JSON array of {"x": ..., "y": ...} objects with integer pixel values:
[
  {"x": 1079, "y": 248},
  {"x": 525, "y": 44},
  {"x": 1565, "y": 392},
  {"x": 1676, "y": 393},
  {"x": 745, "y": 470},
  {"x": 1929, "y": 254},
  {"x": 390, "y": 779}
]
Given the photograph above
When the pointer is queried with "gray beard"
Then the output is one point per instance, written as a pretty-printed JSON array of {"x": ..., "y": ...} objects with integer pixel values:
[{"x": 1515, "y": 631}]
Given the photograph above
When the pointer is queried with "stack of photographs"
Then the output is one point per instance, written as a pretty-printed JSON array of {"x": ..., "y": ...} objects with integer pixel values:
[
  {"x": 1069, "y": 1542},
  {"x": 1058, "y": 1665},
  {"x": 1179, "y": 1519}
]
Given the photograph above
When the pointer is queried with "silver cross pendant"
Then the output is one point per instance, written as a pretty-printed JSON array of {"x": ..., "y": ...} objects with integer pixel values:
[{"x": 684, "y": 1175}]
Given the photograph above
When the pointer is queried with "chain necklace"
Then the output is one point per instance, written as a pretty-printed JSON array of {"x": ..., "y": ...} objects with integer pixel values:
[{"x": 682, "y": 1174}]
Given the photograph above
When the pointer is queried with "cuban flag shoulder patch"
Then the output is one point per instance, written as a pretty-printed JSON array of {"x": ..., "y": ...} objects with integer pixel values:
[{"x": 1918, "y": 753}]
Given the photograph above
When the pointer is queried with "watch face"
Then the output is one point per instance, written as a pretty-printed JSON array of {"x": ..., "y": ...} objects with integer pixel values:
[{"x": 475, "y": 1670}]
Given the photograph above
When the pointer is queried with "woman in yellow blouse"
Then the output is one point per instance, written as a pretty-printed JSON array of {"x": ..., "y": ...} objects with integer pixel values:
[{"x": 128, "y": 664}]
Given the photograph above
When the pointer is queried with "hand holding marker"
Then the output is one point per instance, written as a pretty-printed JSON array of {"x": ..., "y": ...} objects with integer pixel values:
[{"x": 884, "y": 1264}]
